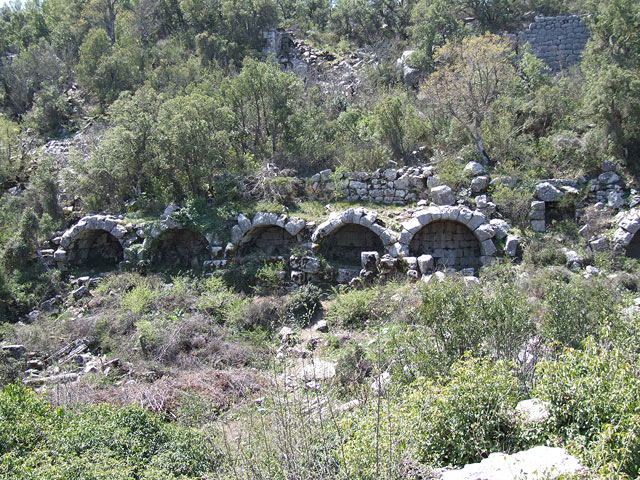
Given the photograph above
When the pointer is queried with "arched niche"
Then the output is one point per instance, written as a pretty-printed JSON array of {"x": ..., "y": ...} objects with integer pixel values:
[
  {"x": 451, "y": 244},
  {"x": 95, "y": 248},
  {"x": 345, "y": 243},
  {"x": 267, "y": 240},
  {"x": 179, "y": 248}
]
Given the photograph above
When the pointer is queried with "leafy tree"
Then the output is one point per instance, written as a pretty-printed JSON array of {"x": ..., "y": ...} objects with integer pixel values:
[
  {"x": 433, "y": 23},
  {"x": 612, "y": 66},
  {"x": 25, "y": 74},
  {"x": 193, "y": 142},
  {"x": 264, "y": 101},
  {"x": 471, "y": 74}
]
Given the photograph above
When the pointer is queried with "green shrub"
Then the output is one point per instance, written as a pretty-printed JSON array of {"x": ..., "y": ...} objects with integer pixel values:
[
  {"x": 455, "y": 319},
  {"x": 270, "y": 276},
  {"x": 138, "y": 300},
  {"x": 595, "y": 405},
  {"x": 451, "y": 422},
  {"x": 39, "y": 442},
  {"x": 577, "y": 309},
  {"x": 304, "y": 304},
  {"x": 353, "y": 366},
  {"x": 542, "y": 253},
  {"x": 354, "y": 308}
]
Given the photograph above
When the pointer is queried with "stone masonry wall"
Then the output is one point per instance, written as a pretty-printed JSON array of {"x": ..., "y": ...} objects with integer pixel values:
[{"x": 558, "y": 41}]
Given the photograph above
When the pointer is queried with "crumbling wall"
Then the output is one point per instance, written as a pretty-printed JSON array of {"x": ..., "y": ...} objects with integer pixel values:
[
  {"x": 557, "y": 41},
  {"x": 269, "y": 241},
  {"x": 451, "y": 244},
  {"x": 345, "y": 244},
  {"x": 179, "y": 248}
]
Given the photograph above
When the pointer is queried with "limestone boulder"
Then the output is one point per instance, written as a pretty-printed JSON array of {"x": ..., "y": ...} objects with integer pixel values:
[
  {"x": 443, "y": 195},
  {"x": 547, "y": 192},
  {"x": 537, "y": 463}
]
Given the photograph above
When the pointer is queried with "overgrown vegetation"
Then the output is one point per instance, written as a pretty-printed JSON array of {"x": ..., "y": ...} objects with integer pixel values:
[{"x": 206, "y": 375}]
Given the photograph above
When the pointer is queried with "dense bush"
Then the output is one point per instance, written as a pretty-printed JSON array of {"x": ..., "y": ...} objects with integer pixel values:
[
  {"x": 452, "y": 422},
  {"x": 577, "y": 309},
  {"x": 40, "y": 442},
  {"x": 455, "y": 319},
  {"x": 595, "y": 398}
]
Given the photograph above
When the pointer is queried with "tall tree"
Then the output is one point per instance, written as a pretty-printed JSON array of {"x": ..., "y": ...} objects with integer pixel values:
[{"x": 471, "y": 74}]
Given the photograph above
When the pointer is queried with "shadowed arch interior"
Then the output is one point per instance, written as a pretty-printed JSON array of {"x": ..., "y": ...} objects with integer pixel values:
[
  {"x": 95, "y": 248},
  {"x": 180, "y": 248},
  {"x": 633, "y": 249},
  {"x": 345, "y": 244},
  {"x": 450, "y": 243},
  {"x": 270, "y": 241}
]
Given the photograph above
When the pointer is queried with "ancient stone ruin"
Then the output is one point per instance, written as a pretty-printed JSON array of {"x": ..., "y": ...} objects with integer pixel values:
[
  {"x": 94, "y": 248},
  {"x": 557, "y": 41},
  {"x": 435, "y": 230},
  {"x": 179, "y": 248}
]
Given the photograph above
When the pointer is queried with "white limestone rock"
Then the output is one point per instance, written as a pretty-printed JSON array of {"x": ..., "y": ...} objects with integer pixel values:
[{"x": 537, "y": 463}]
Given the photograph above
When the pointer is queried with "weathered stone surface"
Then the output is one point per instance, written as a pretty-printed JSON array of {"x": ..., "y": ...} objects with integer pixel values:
[
  {"x": 537, "y": 463},
  {"x": 538, "y": 226},
  {"x": 443, "y": 195},
  {"x": 488, "y": 248},
  {"x": 318, "y": 370},
  {"x": 14, "y": 351},
  {"x": 622, "y": 237},
  {"x": 474, "y": 168},
  {"x": 369, "y": 260},
  {"x": 547, "y": 192},
  {"x": 484, "y": 232},
  {"x": 500, "y": 227},
  {"x": 511, "y": 246},
  {"x": 533, "y": 410},
  {"x": 479, "y": 184},
  {"x": 608, "y": 178},
  {"x": 599, "y": 245},
  {"x": 630, "y": 224},
  {"x": 426, "y": 264},
  {"x": 615, "y": 200},
  {"x": 244, "y": 223},
  {"x": 345, "y": 275}
]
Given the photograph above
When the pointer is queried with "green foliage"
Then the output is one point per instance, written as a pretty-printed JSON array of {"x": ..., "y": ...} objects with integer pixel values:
[
  {"x": 96, "y": 442},
  {"x": 578, "y": 309},
  {"x": 355, "y": 308},
  {"x": 455, "y": 319},
  {"x": 542, "y": 253},
  {"x": 304, "y": 304},
  {"x": 594, "y": 395},
  {"x": 452, "y": 422},
  {"x": 139, "y": 299},
  {"x": 270, "y": 276}
]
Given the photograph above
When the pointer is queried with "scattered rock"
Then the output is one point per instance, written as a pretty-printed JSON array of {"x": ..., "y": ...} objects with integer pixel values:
[
  {"x": 318, "y": 370},
  {"x": 14, "y": 351},
  {"x": 443, "y": 195},
  {"x": 537, "y": 463},
  {"x": 547, "y": 192},
  {"x": 533, "y": 410}
]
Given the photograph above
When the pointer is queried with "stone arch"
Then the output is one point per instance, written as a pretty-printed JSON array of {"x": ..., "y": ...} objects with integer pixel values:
[
  {"x": 95, "y": 248},
  {"x": 450, "y": 243},
  {"x": 627, "y": 236},
  {"x": 270, "y": 233},
  {"x": 456, "y": 237},
  {"x": 179, "y": 247},
  {"x": 268, "y": 240},
  {"x": 344, "y": 236},
  {"x": 95, "y": 240}
]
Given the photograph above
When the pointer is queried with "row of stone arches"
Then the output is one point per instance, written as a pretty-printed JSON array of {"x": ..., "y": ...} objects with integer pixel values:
[{"x": 450, "y": 239}]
